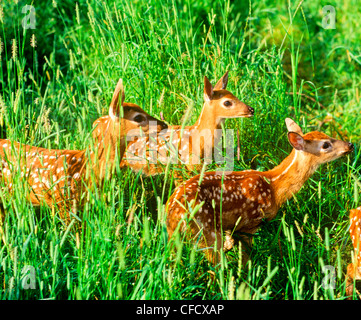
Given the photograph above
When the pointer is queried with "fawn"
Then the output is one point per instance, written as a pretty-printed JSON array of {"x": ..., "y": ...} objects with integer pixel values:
[
  {"x": 190, "y": 144},
  {"x": 237, "y": 202},
  {"x": 60, "y": 176},
  {"x": 354, "y": 269}
]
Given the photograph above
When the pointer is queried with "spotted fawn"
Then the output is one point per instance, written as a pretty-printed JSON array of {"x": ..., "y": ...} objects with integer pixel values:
[
  {"x": 61, "y": 176},
  {"x": 190, "y": 145},
  {"x": 236, "y": 202}
]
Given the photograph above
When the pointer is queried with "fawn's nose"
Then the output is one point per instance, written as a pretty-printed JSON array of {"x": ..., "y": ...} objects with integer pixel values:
[
  {"x": 164, "y": 126},
  {"x": 251, "y": 110},
  {"x": 351, "y": 146}
]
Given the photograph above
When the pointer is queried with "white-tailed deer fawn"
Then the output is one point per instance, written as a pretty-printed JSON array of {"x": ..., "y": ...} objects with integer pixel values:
[
  {"x": 60, "y": 176},
  {"x": 188, "y": 145},
  {"x": 354, "y": 268},
  {"x": 236, "y": 202}
]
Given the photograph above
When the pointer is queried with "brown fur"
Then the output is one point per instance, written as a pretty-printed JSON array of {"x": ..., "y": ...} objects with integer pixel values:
[
  {"x": 237, "y": 202},
  {"x": 354, "y": 269},
  {"x": 139, "y": 156},
  {"x": 60, "y": 177}
]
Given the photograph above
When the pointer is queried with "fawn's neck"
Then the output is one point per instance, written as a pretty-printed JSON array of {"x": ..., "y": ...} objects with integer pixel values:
[
  {"x": 208, "y": 125},
  {"x": 288, "y": 178},
  {"x": 103, "y": 156},
  {"x": 208, "y": 119}
]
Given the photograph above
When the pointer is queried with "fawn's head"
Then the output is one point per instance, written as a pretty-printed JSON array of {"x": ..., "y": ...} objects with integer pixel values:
[
  {"x": 317, "y": 144},
  {"x": 222, "y": 103},
  {"x": 125, "y": 118}
]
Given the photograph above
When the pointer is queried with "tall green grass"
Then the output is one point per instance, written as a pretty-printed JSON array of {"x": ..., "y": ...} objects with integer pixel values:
[{"x": 58, "y": 78}]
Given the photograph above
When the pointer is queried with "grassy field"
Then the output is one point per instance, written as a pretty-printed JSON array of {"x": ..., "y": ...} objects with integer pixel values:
[{"x": 58, "y": 78}]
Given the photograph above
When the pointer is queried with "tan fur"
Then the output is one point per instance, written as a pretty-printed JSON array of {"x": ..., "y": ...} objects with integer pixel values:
[
  {"x": 354, "y": 269},
  {"x": 60, "y": 177},
  {"x": 140, "y": 157},
  {"x": 237, "y": 202}
]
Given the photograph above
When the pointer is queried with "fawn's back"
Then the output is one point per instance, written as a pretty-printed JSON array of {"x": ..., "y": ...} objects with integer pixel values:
[{"x": 48, "y": 172}]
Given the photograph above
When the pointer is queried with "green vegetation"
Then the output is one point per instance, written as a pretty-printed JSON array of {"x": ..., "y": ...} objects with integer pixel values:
[{"x": 58, "y": 78}]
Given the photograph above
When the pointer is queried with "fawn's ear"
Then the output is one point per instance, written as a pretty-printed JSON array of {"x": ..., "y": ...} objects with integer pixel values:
[
  {"x": 293, "y": 126},
  {"x": 222, "y": 83},
  {"x": 208, "y": 90},
  {"x": 114, "y": 108},
  {"x": 296, "y": 141}
]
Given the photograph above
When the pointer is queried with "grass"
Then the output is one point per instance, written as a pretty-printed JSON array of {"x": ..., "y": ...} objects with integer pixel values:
[{"x": 58, "y": 78}]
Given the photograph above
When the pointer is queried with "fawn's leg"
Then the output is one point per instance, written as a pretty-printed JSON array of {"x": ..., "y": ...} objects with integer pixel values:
[
  {"x": 246, "y": 242},
  {"x": 177, "y": 176},
  {"x": 228, "y": 241},
  {"x": 208, "y": 239},
  {"x": 239, "y": 239},
  {"x": 214, "y": 246},
  {"x": 353, "y": 273},
  {"x": 243, "y": 240},
  {"x": 349, "y": 280}
]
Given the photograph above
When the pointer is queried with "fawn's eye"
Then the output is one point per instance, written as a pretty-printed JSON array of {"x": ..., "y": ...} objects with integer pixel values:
[
  {"x": 227, "y": 103},
  {"x": 326, "y": 145},
  {"x": 138, "y": 118}
]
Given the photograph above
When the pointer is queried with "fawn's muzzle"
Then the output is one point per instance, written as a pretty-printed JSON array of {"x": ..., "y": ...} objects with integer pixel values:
[
  {"x": 163, "y": 125},
  {"x": 251, "y": 110},
  {"x": 348, "y": 148},
  {"x": 351, "y": 147}
]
